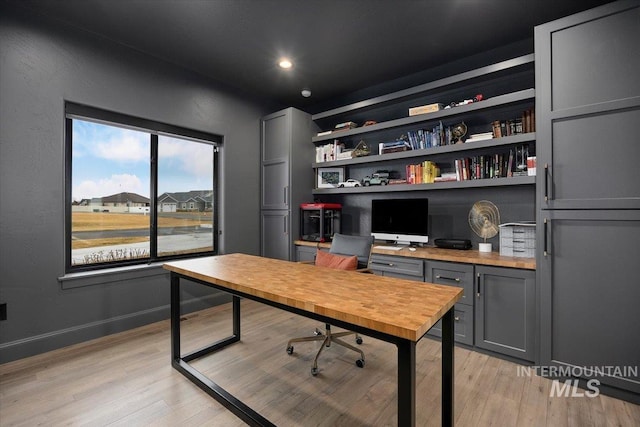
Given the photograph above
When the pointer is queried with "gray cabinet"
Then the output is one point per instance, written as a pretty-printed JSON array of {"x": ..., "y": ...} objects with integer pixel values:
[
  {"x": 285, "y": 180},
  {"x": 398, "y": 267},
  {"x": 460, "y": 275},
  {"x": 588, "y": 197},
  {"x": 505, "y": 316},
  {"x": 305, "y": 253},
  {"x": 590, "y": 292}
]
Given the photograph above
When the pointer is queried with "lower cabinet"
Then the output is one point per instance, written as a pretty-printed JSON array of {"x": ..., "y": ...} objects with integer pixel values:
[
  {"x": 460, "y": 275},
  {"x": 497, "y": 311},
  {"x": 505, "y": 311}
]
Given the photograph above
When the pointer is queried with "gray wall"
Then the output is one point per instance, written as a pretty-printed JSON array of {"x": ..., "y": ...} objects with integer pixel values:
[{"x": 42, "y": 64}]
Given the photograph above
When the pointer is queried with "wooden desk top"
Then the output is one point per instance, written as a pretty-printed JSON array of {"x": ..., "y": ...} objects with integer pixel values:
[
  {"x": 471, "y": 256},
  {"x": 398, "y": 307}
]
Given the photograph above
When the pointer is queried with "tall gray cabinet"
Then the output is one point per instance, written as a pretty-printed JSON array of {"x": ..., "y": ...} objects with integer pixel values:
[
  {"x": 284, "y": 164},
  {"x": 588, "y": 192}
]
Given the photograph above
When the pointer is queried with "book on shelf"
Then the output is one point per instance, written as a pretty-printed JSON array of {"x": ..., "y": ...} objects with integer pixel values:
[
  {"x": 422, "y": 173},
  {"x": 424, "y": 109},
  {"x": 324, "y": 133},
  {"x": 393, "y": 146},
  {"x": 329, "y": 152},
  {"x": 515, "y": 126},
  {"x": 479, "y": 136},
  {"x": 497, "y": 165}
]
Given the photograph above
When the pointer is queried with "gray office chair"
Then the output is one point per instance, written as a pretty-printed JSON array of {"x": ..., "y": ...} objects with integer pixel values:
[{"x": 341, "y": 244}]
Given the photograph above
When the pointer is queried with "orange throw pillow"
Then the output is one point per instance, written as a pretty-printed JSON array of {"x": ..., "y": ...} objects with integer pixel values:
[{"x": 339, "y": 262}]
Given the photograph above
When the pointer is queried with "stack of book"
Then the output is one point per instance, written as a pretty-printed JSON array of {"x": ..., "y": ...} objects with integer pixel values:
[
  {"x": 393, "y": 146},
  {"x": 479, "y": 136}
]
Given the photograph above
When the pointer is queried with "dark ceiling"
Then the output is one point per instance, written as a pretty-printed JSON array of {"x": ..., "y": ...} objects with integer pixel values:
[{"x": 337, "y": 46}]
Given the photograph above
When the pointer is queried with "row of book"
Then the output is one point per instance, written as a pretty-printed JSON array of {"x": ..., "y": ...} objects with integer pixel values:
[
  {"x": 422, "y": 173},
  {"x": 524, "y": 124},
  {"x": 331, "y": 151},
  {"x": 503, "y": 165},
  {"x": 438, "y": 136}
]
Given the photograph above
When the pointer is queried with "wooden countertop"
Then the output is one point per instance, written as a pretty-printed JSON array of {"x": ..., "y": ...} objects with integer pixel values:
[
  {"x": 402, "y": 308},
  {"x": 471, "y": 256}
]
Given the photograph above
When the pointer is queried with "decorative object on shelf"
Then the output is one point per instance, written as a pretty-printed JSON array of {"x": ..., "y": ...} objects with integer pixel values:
[
  {"x": 369, "y": 123},
  {"x": 424, "y": 109},
  {"x": 349, "y": 183},
  {"x": 484, "y": 220},
  {"x": 362, "y": 149},
  {"x": 345, "y": 126},
  {"x": 378, "y": 178},
  {"x": 476, "y": 98},
  {"x": 458, "y": 132},
  {"x": 329, "y": 177}
]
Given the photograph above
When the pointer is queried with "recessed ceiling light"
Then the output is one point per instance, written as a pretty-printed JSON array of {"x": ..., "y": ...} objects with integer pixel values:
[
  {"x": 306, "y": 93},
  {"x": 285, "y": 63}
]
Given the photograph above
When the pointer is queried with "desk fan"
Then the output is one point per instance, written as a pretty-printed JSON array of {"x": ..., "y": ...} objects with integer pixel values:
[{"x": 484, "y": 219}]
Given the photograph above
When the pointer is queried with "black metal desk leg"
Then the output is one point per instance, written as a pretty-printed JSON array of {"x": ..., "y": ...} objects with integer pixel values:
[
  {"x": 406, "y": 383},
  {"x": 236, "y": 316},
  {"x": 447, "y": 368},
  {"x": 175, "y": 317}
]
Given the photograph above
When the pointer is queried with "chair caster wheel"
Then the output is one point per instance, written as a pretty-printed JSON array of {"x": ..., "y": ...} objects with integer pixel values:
[
  {"x": 358, "y": 340},
  {"x": 360, "y": 363},
  {"x": 314, "y": 371},
  {"x": 290, "y": 349}
]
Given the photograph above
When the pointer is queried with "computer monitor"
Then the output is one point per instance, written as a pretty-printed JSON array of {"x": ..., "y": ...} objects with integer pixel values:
[{"x": 403, "y": 221}]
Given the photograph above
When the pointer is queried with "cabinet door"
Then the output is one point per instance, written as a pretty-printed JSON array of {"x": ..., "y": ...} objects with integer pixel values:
[
  {"x": 505, "y": 311},
  {"x": 588, "y": 109},
  {"x": 590, "y": 292},
  {"x": 275, "y": 152},
  {"x": 305, "y": 253},
  {"x": 275, "y": 184},
  {"x": 276, "y": 242}
]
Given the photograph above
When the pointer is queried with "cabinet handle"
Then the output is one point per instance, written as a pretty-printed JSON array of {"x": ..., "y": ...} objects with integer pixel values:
[
  {"x": 478, "y": 285},
  {"x": 455, "y": 279},
  {"x": 286, "y": 217},
  {"x": 286, "y": 194},
  {"x": 546, "y": 187},
  {"x": 545, "y": 250},
  {"x": 457, "y": 319}
]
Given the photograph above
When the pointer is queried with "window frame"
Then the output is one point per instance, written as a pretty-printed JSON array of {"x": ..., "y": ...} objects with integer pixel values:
[{"x": 92, "y": 114}]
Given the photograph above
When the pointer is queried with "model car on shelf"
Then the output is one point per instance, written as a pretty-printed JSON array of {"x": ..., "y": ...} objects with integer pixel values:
[
  {"x": 349, "y": 183},
  {"x": 378, "y": 178}
]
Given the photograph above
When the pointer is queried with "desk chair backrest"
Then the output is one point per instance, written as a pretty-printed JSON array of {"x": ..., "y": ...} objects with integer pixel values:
[{"x": 359, "y": 246}]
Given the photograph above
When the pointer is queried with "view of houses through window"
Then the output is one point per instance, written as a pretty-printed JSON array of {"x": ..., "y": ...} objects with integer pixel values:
[{"x": 115, "y": 174}]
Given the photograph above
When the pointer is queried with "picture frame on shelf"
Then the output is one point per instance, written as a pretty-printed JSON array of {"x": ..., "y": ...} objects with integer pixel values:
[{"x": 329, "y": 177}]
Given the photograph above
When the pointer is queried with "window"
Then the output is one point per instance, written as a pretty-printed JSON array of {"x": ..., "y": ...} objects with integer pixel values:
[{"x": 137, "y": 191}]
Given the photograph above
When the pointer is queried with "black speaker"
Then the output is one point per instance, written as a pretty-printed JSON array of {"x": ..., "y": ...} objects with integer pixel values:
[{"x": 463, "y": 244}]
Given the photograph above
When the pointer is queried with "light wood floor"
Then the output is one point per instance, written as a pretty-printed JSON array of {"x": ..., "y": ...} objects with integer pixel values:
[{"x": 126, "y": 379}]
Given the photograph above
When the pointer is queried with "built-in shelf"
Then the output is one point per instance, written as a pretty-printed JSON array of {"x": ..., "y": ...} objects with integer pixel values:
[
  {"x": 496, "y": 101},
  {"x": 449, "y": 185},
  {"x": 510, "y": 64},
  {"x": 433, "y": 151}
]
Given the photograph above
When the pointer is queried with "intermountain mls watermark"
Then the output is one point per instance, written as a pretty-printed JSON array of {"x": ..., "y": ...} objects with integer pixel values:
[{"x": 568, "y": 385}]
